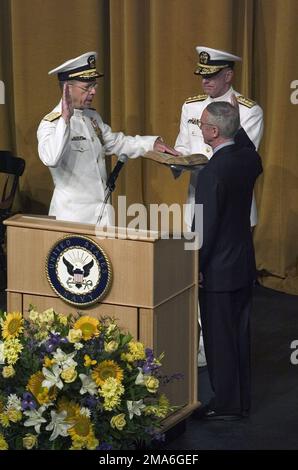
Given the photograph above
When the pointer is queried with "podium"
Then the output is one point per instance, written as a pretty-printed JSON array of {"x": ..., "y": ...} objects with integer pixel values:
[{"x": 153, "y": 293}]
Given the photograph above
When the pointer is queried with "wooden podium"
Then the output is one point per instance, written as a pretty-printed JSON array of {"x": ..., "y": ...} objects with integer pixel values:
[{"x": 153, "y": 292}]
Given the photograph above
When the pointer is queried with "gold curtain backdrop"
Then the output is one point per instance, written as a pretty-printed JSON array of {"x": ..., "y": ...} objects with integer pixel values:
[{"x": 147, "y": 52}]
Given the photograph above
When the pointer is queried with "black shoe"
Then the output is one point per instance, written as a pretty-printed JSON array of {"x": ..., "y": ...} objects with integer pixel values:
[
  {"x": 212, "y": 415},
  {"x": 207, "y": 413}
]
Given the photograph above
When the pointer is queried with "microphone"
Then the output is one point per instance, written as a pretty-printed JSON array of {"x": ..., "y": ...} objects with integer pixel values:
[{"x": 122, "y": 159}]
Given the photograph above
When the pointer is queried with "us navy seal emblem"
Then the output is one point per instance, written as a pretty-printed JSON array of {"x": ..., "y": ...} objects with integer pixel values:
[{"x": 78, "y": 270}]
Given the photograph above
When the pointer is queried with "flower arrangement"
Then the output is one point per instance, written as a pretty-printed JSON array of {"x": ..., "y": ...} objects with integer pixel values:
[{"x": 76, "y": 382}]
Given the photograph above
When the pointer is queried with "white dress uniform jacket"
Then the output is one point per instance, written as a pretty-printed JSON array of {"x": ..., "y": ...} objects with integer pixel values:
[
  {"x": 190, "y": 139},
  {"x": 75, "y": 154}
]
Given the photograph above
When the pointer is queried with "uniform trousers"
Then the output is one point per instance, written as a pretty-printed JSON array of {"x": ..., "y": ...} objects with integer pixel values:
[{"x": 225, "y": 320}]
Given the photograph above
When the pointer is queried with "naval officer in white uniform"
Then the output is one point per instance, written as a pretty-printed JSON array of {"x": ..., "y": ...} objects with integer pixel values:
[
  {"x": 216, "y": 69},
  {"x": 73, "y": 141}
]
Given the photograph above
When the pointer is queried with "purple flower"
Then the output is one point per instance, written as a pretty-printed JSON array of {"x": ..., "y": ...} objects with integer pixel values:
[
  {"x": 28, "y": 402},
  {"x": 149, "y": 354},
  {"x": 53, "y": 342},
  {"x": 104, "y": 446},
  {"x": 149, "y": 366},
  {"x": 90, "y": 402}
]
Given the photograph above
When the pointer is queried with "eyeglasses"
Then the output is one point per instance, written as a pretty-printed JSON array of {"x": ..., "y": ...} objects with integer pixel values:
[
  {"x": 200, "y": 124},
  {"x": 86, "y": 89}
]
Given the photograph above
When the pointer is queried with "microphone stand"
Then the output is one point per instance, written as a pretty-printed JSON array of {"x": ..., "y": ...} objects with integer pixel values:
[
  {"x": 109, "y": 189},
  {"x": 111, "y": 184}
]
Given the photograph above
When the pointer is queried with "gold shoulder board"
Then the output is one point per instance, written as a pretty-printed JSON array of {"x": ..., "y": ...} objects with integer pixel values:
[
  {"x": 245, "y": 101},
  {"x": 52, "y": 116},
  {"x": 192, "y": 99}
]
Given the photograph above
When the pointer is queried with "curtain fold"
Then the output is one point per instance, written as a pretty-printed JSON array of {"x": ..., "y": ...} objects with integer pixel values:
[{"x": 147, "y": 52}]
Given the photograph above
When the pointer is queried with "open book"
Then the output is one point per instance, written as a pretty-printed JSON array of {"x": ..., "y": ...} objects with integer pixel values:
[{"x": 179, "y": 161}]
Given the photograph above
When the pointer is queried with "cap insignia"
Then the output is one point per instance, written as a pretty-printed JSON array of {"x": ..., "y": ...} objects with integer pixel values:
[
  {"x": 91, "y": 61},
  {"x": 204, "y": 57}
]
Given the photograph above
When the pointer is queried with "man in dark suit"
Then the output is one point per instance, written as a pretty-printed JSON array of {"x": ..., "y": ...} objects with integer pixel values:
[{"x": 227, "y": 262}]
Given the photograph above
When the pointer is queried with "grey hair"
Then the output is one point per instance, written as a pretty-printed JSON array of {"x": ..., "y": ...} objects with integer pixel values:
[
  {"x": 61, "y": 84},
  {"x": 225, "y": 117}
]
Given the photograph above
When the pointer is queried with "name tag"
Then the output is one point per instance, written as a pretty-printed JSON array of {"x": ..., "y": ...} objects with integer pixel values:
[
  {"x": 78, "y": 138},
  {"x": 193, "y": 121}
]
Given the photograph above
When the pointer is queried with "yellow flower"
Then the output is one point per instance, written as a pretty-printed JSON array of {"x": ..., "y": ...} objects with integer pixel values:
[
  {"x": 62, "y": 319},
  {"x": 74, "y": 335},
  {"x": 3, "y": 443},
  {"x": 105, "y": 370},
  {"x": 160, "y": 410},
  {"x": 151, "y": 383},
  {"x": 111, "y": 346},
  {"x": 8, "y": 371},
  {"x": 81, "y": 431},
  {"x": 111, "y": 391},
  {"x": 110, "y": 403},
  {"x": 92, "y": 443},
  {"x": 48, "y": 315},
  {"x": 89, "y": 327},
  {"x": 136, "y": 352},
  {"x": 33, "y": 315},
  {"x": 88, "y": 361},
  {"x": 69, "y": 375},
  {"x": 12, "y": 349},
  {"x": 118, "y": 421},
  {"x": 42, "y": 394},
  {"x": 47, "y": 362},
  {"x": 4, "y": 420},
  {"x": 13, "y": 325},
  {"x": 112, "y": 330},
  {"x": 14, "y": 415},
  {"x": 70, "y": 407},
  {"x": 29, "y": 441}
]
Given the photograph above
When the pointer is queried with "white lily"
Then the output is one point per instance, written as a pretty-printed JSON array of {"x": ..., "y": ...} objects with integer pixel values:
[
  {"x": 135, "y": 407},
  {"x": 58, "y": 425},
  {"x": 35, "y": 418},
  {"x": 13, "y": 401},
  {"x": 140, "y": 377},
  {"x": 65, "y": 360},
  {"x": 52, "y": 377},
  {"x": 88, "y": 385}
]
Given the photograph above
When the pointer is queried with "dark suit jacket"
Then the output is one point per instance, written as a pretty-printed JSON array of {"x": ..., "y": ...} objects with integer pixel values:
[{"x": 225, "y": 188}]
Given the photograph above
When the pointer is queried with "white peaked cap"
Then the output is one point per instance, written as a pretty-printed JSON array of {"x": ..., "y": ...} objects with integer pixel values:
[
  {"x": 82, "y": 68},
  {"x": 212, "y": 61}
]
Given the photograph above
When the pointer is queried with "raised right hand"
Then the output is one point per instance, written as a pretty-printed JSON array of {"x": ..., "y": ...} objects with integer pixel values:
[{"x": 67, "y": 106}]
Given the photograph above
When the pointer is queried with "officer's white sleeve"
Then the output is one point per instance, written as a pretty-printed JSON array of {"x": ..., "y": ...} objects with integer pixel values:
[
  {"x": 53, "y": 141},
  {"x": 117, "y": 143},
  {"x": 253, "y": 125},
  {"x": 182, "y": 143}
]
